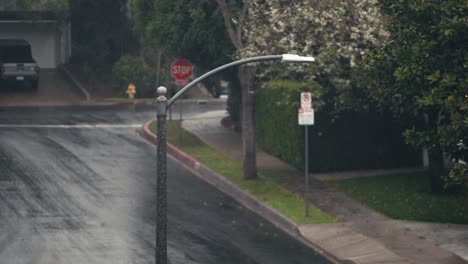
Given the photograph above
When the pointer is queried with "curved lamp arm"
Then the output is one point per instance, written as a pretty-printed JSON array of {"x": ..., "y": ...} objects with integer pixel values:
[{"x": 288, "y": 58}]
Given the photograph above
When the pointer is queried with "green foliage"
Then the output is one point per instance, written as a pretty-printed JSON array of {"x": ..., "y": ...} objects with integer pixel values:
[
  {"x": 101, "y": 33},
  {"x": 277, "y": 132},
  {"x": 406, "y": 197},
  {"x": 24, "y": 4},
  {"x": 193, "y": 30},
  {"x": 421, "y": 73},
  {"x": 141, "y": 14},
  {"x": 351, "y": 140},
  {"x": 457, "y": 179},
  {"x": 129, "y": 69},
  {"x": 58, "y": 5}
]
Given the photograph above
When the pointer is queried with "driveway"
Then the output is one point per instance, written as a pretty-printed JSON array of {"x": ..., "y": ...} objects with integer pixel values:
[{"x": 53, "y": 89}]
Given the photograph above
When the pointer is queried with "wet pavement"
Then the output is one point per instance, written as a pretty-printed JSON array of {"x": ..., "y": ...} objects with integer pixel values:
[
  {"x": 77, "y": 185},
  {"x": 53, "y": 89}
]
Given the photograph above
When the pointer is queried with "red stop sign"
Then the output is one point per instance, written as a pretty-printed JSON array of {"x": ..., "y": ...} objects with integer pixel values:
[{"x": 181, "y": 69}]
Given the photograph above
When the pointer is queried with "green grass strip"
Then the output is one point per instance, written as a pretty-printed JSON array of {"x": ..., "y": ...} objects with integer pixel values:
[
  {"x": 266, "y": 190},
  {"x": 406, "y": 197}
]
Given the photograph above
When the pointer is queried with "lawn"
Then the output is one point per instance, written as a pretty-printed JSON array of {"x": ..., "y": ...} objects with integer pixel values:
[
  {"x": 406, "y": 197},
  {"x": 264, "y": 189}
]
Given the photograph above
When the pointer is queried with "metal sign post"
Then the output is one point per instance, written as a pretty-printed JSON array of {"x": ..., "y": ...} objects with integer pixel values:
[
  {"x": 181, "y": 119},
  {"x": 181, "y": 70},
  {"x": 306, "y": 170},
  {"x": 306, "y": 118}
]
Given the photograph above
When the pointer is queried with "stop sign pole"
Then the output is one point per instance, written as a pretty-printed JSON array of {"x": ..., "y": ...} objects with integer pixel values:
[
  {"x": 161, "y": 166},
  {"x": 181, "y": 70}
]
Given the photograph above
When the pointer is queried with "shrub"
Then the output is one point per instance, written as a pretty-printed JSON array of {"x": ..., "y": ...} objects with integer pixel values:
[
  {"x": 131, "y": 69},
  {"x": 457, "y": 179},
  {"x": 351, "y": 140}
]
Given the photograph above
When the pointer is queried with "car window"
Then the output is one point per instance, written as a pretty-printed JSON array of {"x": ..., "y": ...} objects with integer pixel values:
[{"x": 16, "y": 54}]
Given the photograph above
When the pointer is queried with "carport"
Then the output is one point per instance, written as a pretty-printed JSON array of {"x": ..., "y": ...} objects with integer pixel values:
[{"x": 50, "y": 39}]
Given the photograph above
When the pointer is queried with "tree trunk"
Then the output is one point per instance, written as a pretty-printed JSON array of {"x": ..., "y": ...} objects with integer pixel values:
[
  {"x": 436, "y": 170},
  {"x": 436, "y": 157},
  {"x": 246, "y": 77}
]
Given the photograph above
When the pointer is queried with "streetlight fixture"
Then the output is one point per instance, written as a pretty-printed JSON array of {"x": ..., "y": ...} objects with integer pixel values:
[{"x": 161, "y": 169}]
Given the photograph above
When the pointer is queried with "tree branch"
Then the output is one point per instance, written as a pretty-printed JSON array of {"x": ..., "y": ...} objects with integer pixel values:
[
  {"x": 241, "y": 22},
  {"x": 234, "y": 35}
]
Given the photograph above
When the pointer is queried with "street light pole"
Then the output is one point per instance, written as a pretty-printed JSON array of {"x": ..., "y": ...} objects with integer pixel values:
[
  {"x": 162, "y": 106},
  {"x": 161, "y": 196}
]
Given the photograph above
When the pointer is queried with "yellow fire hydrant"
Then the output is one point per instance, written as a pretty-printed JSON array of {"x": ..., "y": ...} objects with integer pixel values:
[{"x": 131, "y": 91}]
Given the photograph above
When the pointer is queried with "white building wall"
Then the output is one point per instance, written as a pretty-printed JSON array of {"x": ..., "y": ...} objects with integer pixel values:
[
  {"x": 64, "y": 47},
  {"x": 43, "y": 37}
]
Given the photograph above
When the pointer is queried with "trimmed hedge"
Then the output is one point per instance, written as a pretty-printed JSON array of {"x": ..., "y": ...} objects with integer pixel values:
[{"x": 353, "y": 141}]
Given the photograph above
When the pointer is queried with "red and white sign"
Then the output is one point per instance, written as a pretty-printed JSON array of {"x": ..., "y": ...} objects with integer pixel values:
[
  {"x": 306, "y": 116},
  {"x": 181, "y": 70},
  {"x": 306, "y": 100}
]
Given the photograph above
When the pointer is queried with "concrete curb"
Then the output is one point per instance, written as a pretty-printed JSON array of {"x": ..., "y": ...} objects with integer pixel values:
[
  {"x": 75, "y": 82},
  {"x": 243, "y": 197},
  {"x": 148, "y": 102},
  {"x": 136, "y": 103}
]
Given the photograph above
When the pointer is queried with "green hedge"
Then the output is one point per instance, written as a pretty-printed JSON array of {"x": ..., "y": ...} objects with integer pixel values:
[
  {"x": 353, "y": 141},
  {"x": 131, "y": 69}
]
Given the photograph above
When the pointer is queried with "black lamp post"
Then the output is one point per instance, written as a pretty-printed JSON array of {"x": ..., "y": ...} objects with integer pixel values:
[{"x": 162, "y": 106}]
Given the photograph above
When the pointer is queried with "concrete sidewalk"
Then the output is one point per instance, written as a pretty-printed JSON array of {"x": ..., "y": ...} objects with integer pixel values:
[{"x": 363, "y": 235}]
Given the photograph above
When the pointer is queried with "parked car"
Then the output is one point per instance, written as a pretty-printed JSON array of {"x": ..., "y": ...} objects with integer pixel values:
[{"x": 17, "y": 63}]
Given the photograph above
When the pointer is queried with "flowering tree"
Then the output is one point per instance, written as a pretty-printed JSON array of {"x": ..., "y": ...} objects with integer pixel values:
[{"x": 337, "y": 33}]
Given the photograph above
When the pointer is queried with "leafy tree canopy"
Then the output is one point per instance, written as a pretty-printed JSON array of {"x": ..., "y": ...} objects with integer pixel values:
[
  {"x": 421, "y": 71},
  {"x": 189, "y": 29},
  {"x": 101, "y": 32}
]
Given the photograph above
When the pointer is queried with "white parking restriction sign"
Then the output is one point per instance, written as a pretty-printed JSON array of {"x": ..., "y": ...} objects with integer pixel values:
[
  {"x": 306, "y": 100},
  {"x": 306, "y": 116}
]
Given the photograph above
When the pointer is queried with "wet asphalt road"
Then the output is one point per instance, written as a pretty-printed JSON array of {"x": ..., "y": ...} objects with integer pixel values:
[{"x": 82, "y": 194}]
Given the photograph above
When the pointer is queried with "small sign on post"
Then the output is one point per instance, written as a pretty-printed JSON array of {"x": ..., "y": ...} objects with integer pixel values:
[
  {"x": 306, "y": 117},
  {"x": 306, "y": 100},
  {"x": 182, "y": 70}
]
